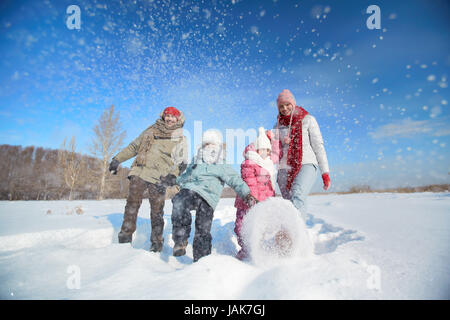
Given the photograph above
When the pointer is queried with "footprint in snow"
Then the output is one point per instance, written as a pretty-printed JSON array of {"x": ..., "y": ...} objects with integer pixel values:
[{"x": 328, "y": 237}]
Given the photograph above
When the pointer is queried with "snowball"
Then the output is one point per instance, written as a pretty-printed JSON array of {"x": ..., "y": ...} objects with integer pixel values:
[
  {"x": 392, "y": 16},
  {"x": 254, "y": 30},
  {"x": 435, "y": 111},
  {"x": 273, "y": 230}
]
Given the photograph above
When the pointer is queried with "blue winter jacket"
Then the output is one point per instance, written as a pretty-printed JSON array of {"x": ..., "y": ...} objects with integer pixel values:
[{"x": 208, "y": 181}]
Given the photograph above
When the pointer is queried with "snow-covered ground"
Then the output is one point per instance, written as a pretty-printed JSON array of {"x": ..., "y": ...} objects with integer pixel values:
[{"x": 367, "y": 246}]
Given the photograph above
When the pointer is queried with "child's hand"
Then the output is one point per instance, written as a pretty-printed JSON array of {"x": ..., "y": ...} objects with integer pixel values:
[
  {"x": 286, "y": 140},
  {"x": 250, "y": 200}
]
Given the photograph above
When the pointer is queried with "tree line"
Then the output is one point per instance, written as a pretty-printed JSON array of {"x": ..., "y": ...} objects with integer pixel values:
[{"x": 36, "y": 173}]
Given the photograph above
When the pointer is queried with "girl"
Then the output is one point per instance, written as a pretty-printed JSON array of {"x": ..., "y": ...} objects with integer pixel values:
[{"x": 258, "y": 171}]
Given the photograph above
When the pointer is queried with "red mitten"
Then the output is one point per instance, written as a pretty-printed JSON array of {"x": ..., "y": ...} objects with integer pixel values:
[{"x": 326, "y": 181}]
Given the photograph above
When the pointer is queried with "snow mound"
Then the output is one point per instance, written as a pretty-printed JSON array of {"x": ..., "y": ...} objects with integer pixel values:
[{"x": 273, "y": 229}]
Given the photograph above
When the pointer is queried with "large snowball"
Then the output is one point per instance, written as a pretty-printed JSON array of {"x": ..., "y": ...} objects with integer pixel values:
[{"x": 273, "y": 230}]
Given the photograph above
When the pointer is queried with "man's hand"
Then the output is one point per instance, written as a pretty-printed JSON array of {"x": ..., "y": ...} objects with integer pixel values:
[
  {"x": 113, "y": 166},
  {"x": 169, "y": 180}
]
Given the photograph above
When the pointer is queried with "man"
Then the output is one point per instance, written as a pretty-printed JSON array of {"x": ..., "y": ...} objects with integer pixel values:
[{"x": 161, "y": 155}]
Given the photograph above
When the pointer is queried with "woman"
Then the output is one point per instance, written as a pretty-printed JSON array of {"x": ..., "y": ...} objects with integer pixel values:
[{"x": 302, "y": 152}]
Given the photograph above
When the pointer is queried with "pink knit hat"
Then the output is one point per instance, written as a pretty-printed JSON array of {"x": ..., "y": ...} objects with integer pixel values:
[{"x": 286, "y": 96}]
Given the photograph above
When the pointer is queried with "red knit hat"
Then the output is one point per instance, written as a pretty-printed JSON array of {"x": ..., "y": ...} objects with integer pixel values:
[{"x": 172, "y": 111}]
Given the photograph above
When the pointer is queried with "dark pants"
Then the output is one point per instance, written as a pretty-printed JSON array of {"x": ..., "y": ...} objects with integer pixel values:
[
  {"x": 157, "y": 195},
  {"x": 185, "y": 201}
]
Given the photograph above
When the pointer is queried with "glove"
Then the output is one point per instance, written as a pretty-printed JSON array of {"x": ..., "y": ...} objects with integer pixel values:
[
  {"x": 113, "y": 166},
  {"x": 182, "y": 166},
  {"x": 169, "y": 180},
  {"x": 250, "y": 200},
  {"x": 326, "y": 181},
  {"x": 269, "y": 135}
]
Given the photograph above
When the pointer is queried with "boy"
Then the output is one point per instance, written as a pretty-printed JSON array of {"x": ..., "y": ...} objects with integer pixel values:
[{"x": 201, "y": 186}]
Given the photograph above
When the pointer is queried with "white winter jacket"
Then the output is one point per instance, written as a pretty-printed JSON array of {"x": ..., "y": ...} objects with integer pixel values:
[{"x": 313, "y": 149}]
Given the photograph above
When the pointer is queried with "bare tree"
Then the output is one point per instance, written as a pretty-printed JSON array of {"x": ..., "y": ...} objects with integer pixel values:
[
  {"x": 108, "y": 138},
  {"x": 12, "y": 171},
  {"x": 71, "y": 164}
]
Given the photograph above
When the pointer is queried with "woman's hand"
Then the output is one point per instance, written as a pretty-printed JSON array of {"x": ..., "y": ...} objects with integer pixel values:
[
  {"x": 287, "y": 140},
  {"x": 326, "y": 181}
]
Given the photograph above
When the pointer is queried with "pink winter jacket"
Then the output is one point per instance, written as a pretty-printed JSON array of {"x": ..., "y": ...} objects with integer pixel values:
[{"x": 256, "y": 177}]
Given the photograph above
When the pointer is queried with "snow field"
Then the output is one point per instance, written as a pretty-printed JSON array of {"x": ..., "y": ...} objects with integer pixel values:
[{"x": 366, "y": 246}]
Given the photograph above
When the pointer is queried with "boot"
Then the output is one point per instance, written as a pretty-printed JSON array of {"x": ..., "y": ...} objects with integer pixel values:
[
  {"x": 157, "y": 198},
  {"x": 180, "y": 248},
  {"x": 156, "y": 239},
  {"x": 125, "y": 237},
  {"x": 156, "y": 247},
  {"x": 242, "y": 255},
  {"x": 156, "y": 236}
]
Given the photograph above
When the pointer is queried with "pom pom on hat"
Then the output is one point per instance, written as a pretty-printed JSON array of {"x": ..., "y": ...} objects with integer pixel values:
[{"x": 262, "y": 141}]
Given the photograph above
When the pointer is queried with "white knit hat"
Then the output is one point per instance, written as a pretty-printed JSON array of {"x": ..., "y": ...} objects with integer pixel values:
[
  {"x": 262, "y": 141},
  {"x": 212, "y": 136}
]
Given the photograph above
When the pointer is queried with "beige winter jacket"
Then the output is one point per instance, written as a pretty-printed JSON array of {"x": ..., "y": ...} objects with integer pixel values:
[{"x": 156, "y": 155}]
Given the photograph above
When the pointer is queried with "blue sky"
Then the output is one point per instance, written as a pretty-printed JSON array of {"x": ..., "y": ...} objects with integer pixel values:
[{"x": 380, "y": 96}]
